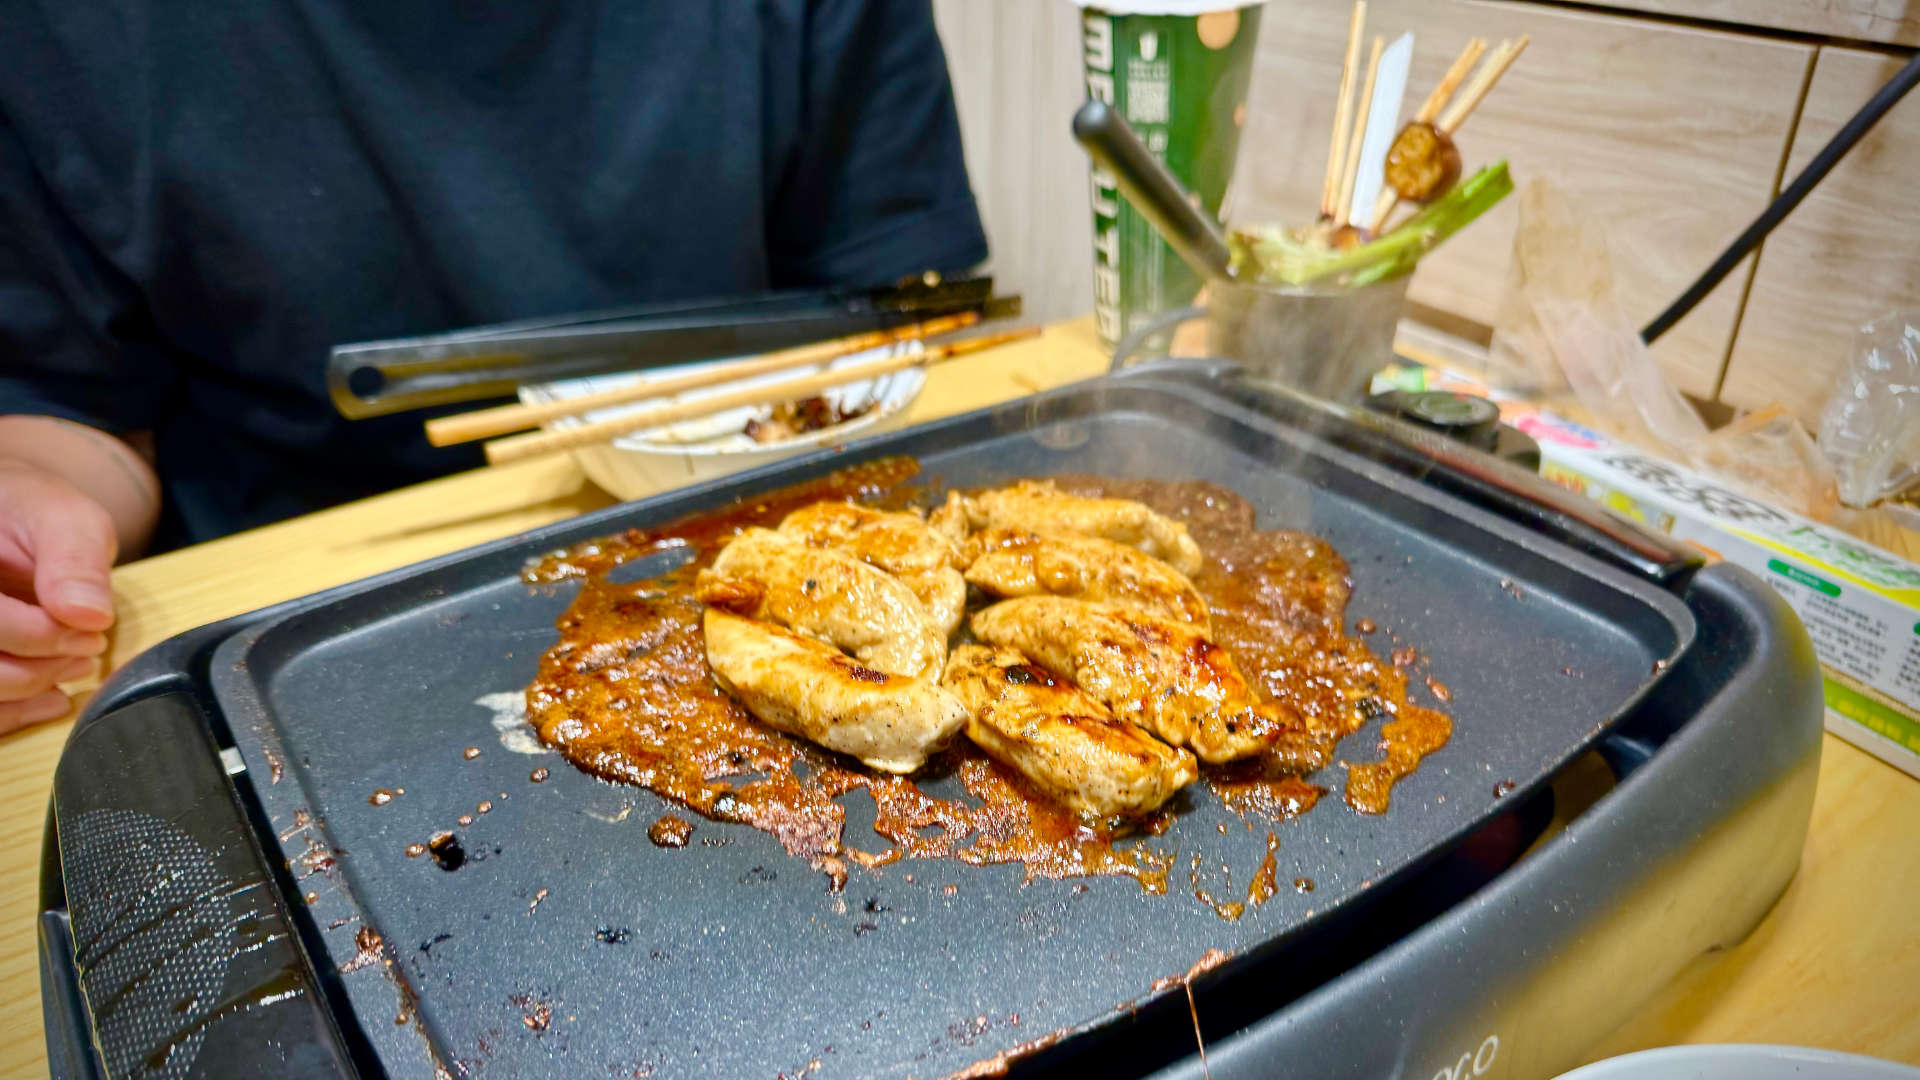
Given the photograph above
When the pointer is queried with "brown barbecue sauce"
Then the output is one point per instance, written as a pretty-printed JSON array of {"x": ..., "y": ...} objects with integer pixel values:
[{"x": 626, "y": 695}]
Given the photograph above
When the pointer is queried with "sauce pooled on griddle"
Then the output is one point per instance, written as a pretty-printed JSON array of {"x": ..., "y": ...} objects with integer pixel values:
[{"x": 626, "y": 695}]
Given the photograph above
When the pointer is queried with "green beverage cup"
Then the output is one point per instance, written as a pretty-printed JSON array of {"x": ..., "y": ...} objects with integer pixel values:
[{"x": 1177, "y": 70}]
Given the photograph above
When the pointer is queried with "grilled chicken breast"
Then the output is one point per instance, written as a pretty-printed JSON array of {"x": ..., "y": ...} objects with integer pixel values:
[
  {"x": 900, "y": 543},
  {"x": 826, "y": 594},
  {"x": 1014, "y": 562},
  {"x": 1162, "y": 675},
  {"x": 1056, "y": 736},
  {"x": 813, "y": 690},
  {"x": 1038, "y": 506}
]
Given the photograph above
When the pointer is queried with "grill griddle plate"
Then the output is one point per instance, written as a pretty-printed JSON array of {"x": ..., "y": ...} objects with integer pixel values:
[{"x": 566, "y": 945}]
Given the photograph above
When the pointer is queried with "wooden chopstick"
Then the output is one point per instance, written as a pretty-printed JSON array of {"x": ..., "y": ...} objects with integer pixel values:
[
  {"x": 1457, "y": 74},
  {"x": 533, "y": 444},
  {"x": 1344, "y": 211},
  {"x": 1503, "y": 57},
  {"x": 1483, "y": 80},
  {"x": 486, "y": 423},
  {"x": 1342, "y": 114}
]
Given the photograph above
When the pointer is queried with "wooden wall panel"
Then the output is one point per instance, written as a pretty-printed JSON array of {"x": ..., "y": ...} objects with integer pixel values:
[
  {"x": 1896, "y": 22},
  {"x": 1669, "y": 134},
  {"x": 1849, "y": 254}
]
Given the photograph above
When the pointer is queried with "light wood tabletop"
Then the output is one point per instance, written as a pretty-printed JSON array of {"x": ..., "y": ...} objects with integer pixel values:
[{"x": 1833, "y": 965}]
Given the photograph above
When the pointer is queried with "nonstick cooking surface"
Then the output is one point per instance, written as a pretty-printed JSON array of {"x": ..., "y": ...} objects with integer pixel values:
[{"x": 567, "y": 945}]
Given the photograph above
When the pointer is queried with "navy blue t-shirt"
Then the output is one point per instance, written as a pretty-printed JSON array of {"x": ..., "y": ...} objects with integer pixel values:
[{"x": 198, "y": 199}]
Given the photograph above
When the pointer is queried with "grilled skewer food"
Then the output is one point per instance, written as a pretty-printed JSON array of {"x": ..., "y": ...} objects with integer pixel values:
[
  {"x": 1014, "y": 562},
  {"x": 1422, "y": 162},
  {"x": 1098, "y": 681},
  {"x": 828, "y": 595},
  {"x": 811, "y": 689},
  {"x": 900, "y": 543},
  {"x": 1162, "y": 675},
  {"x": 1052, "y": 733},
  {"x": 1038, "y": 506}
]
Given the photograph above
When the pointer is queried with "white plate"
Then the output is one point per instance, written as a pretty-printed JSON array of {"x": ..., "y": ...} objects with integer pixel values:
[
  {"x": 666, "y": 457},
  {"x": 1742, "y": 1062}
]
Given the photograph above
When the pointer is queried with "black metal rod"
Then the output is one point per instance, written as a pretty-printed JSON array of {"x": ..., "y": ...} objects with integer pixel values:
[
  {"x": 1191, "y": 231},
  {"x": 1803, "y": 184}
]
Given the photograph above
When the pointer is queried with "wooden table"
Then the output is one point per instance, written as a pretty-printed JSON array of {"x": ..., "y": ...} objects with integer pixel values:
[{"x": 1834, "y": 965}]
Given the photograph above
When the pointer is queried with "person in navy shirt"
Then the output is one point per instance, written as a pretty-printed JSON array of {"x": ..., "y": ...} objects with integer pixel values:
[{"x": 198, "y": 200}]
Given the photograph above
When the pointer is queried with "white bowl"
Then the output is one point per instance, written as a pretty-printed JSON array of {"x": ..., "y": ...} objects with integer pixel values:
[
  {"x": 661, "y": 458},
  {"x": 1742, "y": 1062}
]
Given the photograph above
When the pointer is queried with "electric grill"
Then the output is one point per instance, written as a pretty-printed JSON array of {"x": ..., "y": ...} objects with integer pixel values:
[{"x": 227, "y": 893}]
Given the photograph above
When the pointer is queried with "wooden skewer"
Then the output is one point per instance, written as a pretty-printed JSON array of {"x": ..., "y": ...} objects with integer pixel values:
[
  {"x": 1344, "y": 212},
  {"x": 533, "y": 444},
  {"x": 1457, "y": 74},
  {"x": 1382, "y": 209},
  {"x": 486, "y": 423},
  {"x": 1502, "y": 58},
  {"x": 1483, "y": 81},
  {"x": 1342, "y": 112}
]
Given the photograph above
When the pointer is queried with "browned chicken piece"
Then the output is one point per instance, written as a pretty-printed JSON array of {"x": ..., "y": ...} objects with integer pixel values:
[
  {"x": 1038, "y": 506},
  {"x": 1013, "y": 562},
  {"x": 827, "y": 595},
  {"x": 1162, "y": 675},
  {"x": 949, "y": 519},
  {"x": 901, "y": 543},
  {"x": 1069, "y": 745},
  {"x": 813, "y": 690}
]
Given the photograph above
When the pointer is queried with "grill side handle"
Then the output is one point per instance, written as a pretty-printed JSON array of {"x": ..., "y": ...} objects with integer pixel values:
[{"x": 149, "y": 854}]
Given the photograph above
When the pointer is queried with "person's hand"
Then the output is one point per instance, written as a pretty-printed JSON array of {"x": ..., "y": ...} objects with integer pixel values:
[{"x": 56, "y": 545}]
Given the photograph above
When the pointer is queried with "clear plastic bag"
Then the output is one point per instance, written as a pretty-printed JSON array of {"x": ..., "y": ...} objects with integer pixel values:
[
  {"x": 1562, "y": 322},
  {"x": 1768, "y": 453},
  {"x": 1870, "y": 428}
]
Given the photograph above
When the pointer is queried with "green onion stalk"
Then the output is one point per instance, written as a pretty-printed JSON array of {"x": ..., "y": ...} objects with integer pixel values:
[{"x": 1271, "y": 256}]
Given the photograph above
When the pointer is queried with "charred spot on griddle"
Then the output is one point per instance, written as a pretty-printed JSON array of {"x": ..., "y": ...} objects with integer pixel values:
[
  {"x": 612, "y": 935},
  {"x": 427, "y": 945},
  {"x": 862, "y": 929},
  {"x": 535, "y": 1013},
  {"x": 1370, "y": 708},
  {"x": 759, "y": 875},
  {"x": 670, "y": 832},
  {"x": 446, "y": 850},
  {"x": 875, "y": 907}
]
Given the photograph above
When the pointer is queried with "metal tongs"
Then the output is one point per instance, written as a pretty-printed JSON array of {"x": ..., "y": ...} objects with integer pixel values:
[{"x": 374, "y": 378}]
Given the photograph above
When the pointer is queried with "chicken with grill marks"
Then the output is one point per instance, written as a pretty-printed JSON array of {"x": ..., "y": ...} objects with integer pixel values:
[
  {"x": 810, "y": 689},
  {"x": 828, "y": 595},
  {"x": 1014, "y": 562},
  {"x": 1052, "y": 733},
  {"x": 1038, "y": 506},
  {"x": 1161, "y": 675},
  {"x": 900, "y": 543}
]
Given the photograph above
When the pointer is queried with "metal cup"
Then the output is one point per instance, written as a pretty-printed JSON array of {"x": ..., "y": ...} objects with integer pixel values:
[{"x": 1322, "y": 340}]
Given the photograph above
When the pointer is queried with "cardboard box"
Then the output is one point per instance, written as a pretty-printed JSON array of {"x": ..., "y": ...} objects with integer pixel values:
[{"x": 1860, "y": 604}]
